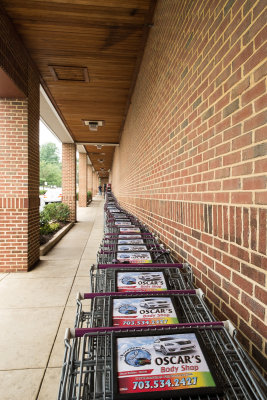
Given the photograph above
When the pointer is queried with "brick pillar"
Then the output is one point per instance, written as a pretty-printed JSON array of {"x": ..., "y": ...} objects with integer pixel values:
[
  {"x": 19, "y": 156},
  {"x": 95, "y": 183},
  {"x": 19, "y": 184},
  {"x": 90, "y": 178},
  {"x": 82, "y": 179},
  {"x": 69, "y": 177}
]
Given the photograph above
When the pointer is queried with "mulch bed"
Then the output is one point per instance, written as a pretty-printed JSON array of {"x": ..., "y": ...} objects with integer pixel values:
[{"x": 45, "y": 238}]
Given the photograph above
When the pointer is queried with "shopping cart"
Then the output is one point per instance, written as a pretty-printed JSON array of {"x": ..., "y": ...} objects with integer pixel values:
[
  {"x": 103, "y": 278},
  {"x": 189, "y": 306},
  {"x": 155, "y": 254},
  {"x": 90, "y": 363}
]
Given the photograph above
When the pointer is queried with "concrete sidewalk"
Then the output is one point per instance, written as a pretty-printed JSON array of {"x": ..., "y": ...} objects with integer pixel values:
[{"x": 36, "y": 308}]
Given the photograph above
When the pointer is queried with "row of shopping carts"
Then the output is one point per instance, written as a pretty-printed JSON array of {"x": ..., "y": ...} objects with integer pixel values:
[{"x": 144, "y": 330}]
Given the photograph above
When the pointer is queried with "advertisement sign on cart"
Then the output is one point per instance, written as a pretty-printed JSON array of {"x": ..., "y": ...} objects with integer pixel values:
[
  {"x": 132, "y": 247},
  {"x": 130, "y": 236},
  {"x": 134, "y": 258},
  {"x": 162, "y": 365},
  {"x": 141, "y": 280},
  {"x": 143, "y": 311},
  {"x": 130, "y": 230},
  {"x": 130, "y": 241}
]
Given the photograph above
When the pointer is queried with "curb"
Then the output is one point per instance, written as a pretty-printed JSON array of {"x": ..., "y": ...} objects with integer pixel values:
[{"x": 52, "y": 242}]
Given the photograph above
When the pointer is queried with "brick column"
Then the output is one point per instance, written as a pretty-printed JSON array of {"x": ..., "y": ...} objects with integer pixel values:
[
  {"x": 69, "y": 177},
  {"x": 19, "y": 156},
  {"x": 82, "y": 179},
  {"x": 95, "y": 183},
  {"x": 19, "y": 185},
  {"x": 90, "y": 178}
]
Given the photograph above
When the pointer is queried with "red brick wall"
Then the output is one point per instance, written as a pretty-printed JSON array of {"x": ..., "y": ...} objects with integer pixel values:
[
  {"x": 13, "y": 182},
  {"x": 19, "y": 137},
  {"x": 82, "y": 179},
  {"x": 33, "y": 164},
  {"x": 90, "y": 178},
  {"x": 69, "y": 177},
  {"x": 95, "y": 183},
  {"x": 194, "y": 148}
]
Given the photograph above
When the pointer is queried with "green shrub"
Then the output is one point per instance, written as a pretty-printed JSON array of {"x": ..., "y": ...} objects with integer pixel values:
[
  {"x": 56, "y": 212},
  {"x": 49, "y": 228},
  {"x": 45, "y": 229},
  {"x": 63, "y": 212},
  {"x": 54, "y": 226},
  {"x": 41, "y": 191},
  {"x": 44, "y": 220}
]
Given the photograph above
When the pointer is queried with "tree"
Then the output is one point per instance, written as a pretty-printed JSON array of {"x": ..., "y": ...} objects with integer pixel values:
[
  {"x": 50, "y": 173},
  {"x": 49, "y": 153},
  {"x": 50, "y": 166}
]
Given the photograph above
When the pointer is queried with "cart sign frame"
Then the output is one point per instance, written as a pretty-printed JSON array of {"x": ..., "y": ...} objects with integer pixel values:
[
  {"x": 160, "y": 283},
  {"x": 144, "y": 310},
  {"x": 162, "y": 365}
]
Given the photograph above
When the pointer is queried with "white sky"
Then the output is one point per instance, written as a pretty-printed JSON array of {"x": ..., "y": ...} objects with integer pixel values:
[{"x": 46, "y": 136}]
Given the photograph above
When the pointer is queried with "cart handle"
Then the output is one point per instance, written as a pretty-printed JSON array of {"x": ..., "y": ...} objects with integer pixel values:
[
  {"x": 83, "y": 296},
  {"x": 80, "y": 332},
  {"x": 147, "y": 265},
  {"x": 158, "y": 250},
  {"x": 128, "y": 233}
]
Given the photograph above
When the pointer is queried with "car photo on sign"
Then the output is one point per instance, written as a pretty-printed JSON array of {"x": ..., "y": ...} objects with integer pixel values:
[
  {"x": 167, "y": 345},
  {"x": 150, "y": 276},
  {"x": 155, "y": 303}
]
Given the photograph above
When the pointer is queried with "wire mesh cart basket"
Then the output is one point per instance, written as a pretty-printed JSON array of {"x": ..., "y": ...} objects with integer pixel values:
[
  {"x": 188, "y": 306},
  {"x": 91, "y": 364},
  {"x": 177, "y": 276}
]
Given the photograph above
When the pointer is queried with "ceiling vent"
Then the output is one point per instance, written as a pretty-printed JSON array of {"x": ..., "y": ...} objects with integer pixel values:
[
  {"x": 69, "y": 73},
  {"x": 93, "y": 125}
]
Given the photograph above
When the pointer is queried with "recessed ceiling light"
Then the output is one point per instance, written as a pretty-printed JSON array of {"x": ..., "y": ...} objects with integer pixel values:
[{"x": 93, "y": 124}]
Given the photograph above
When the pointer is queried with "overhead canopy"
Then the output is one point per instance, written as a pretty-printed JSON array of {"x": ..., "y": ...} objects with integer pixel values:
[{"x": 88, "y": 53}]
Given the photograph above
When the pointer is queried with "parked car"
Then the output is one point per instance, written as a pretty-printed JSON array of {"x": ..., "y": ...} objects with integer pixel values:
[
  {"x": 170, "y": 345},
  {"x": 53, "y": 196},
  {"x": 42, "y": 202}
]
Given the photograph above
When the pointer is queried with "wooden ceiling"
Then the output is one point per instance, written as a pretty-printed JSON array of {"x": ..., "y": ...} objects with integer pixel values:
[{"x": 88, "y": 54}]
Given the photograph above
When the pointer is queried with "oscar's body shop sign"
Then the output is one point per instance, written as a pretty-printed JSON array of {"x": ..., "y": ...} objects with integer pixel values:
[
  {"x": 161, "y": 363},
  {"x": 143, "y": 311},
  {"x": 135, "y": 281}
]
